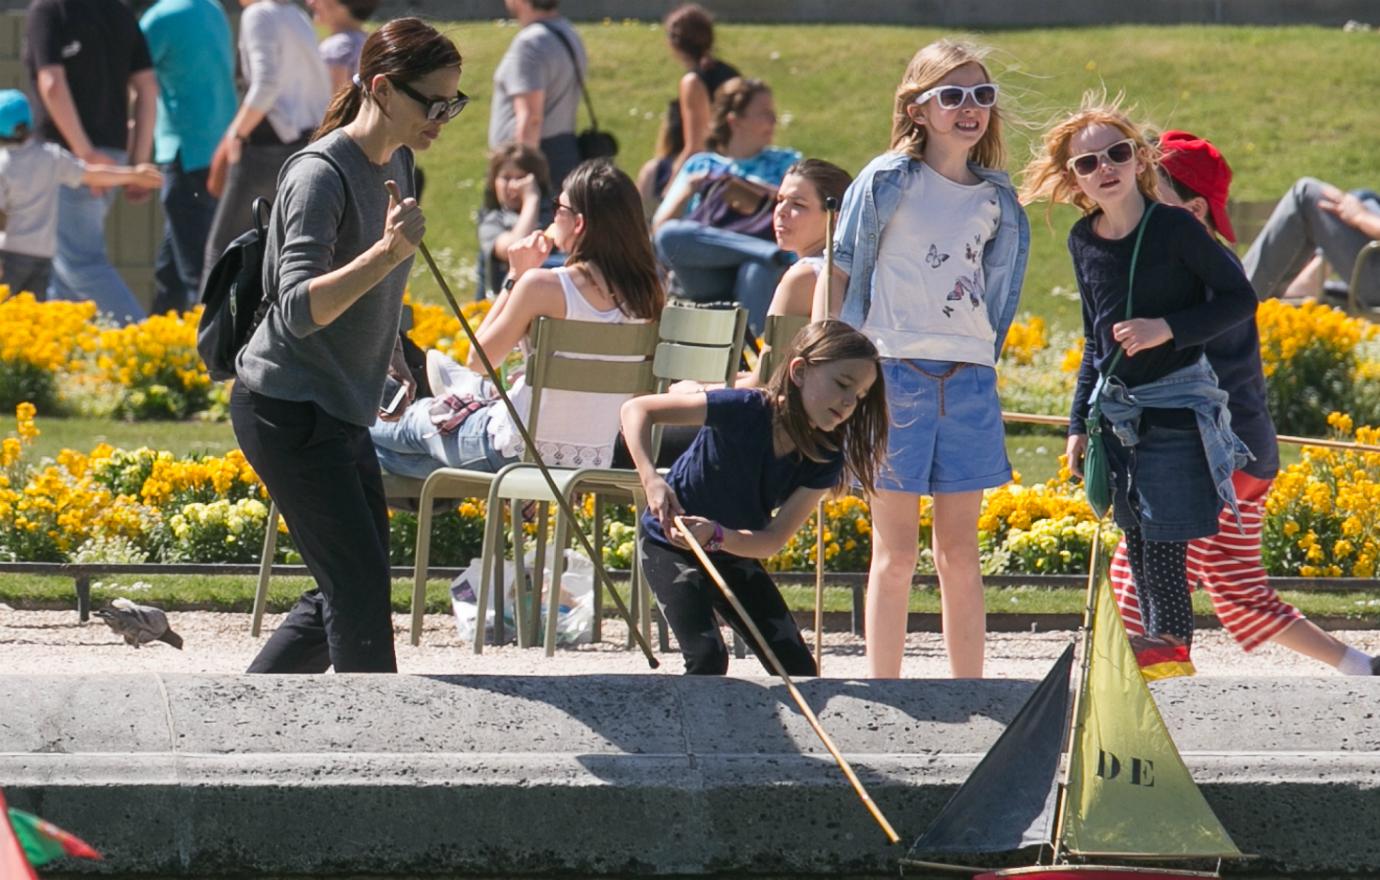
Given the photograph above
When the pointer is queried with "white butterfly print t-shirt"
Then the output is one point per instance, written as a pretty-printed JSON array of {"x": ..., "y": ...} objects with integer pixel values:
[{"x": 928, "y": 292}]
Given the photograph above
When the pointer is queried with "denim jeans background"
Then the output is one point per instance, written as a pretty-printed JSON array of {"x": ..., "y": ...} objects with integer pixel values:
[
  {"x": 254, "y": 176},
  {"x": 188, "y": 211},
  {"x": 412, "y": 447},
  {"x": 1296, "y": 230},
  {"x": 26, "y": 273},
  {"x": 81, "y": 268},
  {"x": 716, "y": 265}
]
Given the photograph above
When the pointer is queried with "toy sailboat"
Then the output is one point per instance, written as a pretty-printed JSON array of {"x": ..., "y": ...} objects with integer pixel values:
[{"x": 1124, "y": 794}]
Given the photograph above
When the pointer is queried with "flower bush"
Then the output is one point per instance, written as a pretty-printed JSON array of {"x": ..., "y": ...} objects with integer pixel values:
[
  {"x": 153, "y": 367},
  {"x": 1323, "y": 514},
  {"x": 436, "y": 326},
  {"x": 1314, "y": 364},
  {"x": 39, "y": 342}
]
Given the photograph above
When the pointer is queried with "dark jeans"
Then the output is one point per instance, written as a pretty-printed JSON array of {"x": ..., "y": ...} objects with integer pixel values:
[
  {"x": 254, "y": 176},
  {"x": 188, "y": 211},
  {"x": 562, "y": 154},
  {"x": 689, "y": 599},
  {"x": 324, "y": 475},
  {"x": 23, "y": 272}
]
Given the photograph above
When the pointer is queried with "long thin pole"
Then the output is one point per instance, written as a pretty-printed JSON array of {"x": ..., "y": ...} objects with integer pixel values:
[
  {"x": 1062, "y": 421},
  {"x": 1084, "y": 660},
  {"x": 780, "y": 670},
  {"x": 831, "y": 213},
  {"x": 531, "y": 445}
]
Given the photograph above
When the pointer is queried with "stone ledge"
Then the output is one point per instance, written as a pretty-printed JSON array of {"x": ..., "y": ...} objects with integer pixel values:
[{"x": 204, "y": 775}]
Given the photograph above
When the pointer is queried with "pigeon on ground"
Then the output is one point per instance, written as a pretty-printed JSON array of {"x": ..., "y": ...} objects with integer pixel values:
[{"x": 139, "y": 624}]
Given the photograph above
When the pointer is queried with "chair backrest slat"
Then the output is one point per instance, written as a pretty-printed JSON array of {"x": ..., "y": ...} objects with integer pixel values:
[
  {"x": 703, "y": 345},
  {"x": 776, "y": 339},
  {"x": 580, "y": 356}
]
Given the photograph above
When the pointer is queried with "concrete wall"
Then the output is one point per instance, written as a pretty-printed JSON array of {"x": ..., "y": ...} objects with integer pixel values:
[{"x": 200, "y": 776}]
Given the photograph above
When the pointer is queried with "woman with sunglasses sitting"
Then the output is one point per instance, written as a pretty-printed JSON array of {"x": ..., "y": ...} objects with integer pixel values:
[
  {"x": 609, "y": 277},
  {"x": 724, "y": 251},
  {"x": 338, "y": 248}
]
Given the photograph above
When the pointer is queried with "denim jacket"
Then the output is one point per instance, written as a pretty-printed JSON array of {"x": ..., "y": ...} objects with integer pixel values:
[
  {"x": 868, "y": 206},
  {"x": 1195, "y": 388}
]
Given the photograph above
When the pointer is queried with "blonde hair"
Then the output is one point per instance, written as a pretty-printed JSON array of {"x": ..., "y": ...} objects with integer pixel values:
[
  {"x": 927, "y": 70},
  {"x": 1048, "y": 176}
]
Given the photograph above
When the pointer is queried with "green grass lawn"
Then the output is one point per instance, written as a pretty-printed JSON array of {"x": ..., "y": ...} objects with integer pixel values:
[
  {"x": 1274, "y": 99},
  {"x": 228, "y": 593}
]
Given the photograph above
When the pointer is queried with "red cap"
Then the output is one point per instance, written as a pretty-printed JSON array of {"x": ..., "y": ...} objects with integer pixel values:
[{"x": 1198, "y": 165}]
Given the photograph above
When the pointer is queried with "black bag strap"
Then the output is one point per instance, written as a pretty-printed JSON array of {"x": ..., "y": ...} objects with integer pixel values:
[
  {"x": 261, "y": 226},
  {"x": 575, "y": 63},
  {"x": 1131, "y": 283}
]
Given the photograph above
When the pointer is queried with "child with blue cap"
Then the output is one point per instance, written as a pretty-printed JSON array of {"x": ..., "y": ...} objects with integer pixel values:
[{"x": 31, "y": 171}]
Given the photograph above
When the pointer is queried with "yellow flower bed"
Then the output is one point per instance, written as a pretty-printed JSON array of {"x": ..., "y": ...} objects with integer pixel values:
[
  {"x": 1314, "y": 364},
  {"x": 1024, "y": 340},
  {"x": 1323, "y": 514},
  {"x": 435, "y": 326}
]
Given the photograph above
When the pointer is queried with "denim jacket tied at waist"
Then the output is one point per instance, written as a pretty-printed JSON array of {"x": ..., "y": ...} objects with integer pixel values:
[
  {"x": 868, "y": 206},
  {"x": 1195, "y": 388}
]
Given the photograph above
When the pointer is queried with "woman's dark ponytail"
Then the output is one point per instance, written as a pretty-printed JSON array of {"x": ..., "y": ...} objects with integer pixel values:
[{"x": 404, "y": 49}]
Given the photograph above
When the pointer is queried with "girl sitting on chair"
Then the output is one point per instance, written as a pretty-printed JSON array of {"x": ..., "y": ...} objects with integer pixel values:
[{"x": 610, "y": 277}]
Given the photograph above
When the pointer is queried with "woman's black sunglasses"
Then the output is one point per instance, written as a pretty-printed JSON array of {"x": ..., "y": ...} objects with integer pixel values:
[{"x": 437, "y": 109}]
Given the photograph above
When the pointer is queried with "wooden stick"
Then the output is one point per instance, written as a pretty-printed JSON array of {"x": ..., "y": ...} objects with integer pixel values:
[
  {"x": 521, "y": 425},
  {"x": 831, "y": 213},
  {"x": 780, "y": 670},
  {"x": 819, "y": 587},
  {"x": 1062, "y": 421}
]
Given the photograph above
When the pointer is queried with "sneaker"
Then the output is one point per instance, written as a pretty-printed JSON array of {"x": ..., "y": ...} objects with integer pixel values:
[
  {"x": 446, "y": 376},
  {"x": 1162, "y": 656}
]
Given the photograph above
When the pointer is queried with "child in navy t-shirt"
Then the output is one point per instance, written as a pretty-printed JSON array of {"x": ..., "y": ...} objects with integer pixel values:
[{"x": 750, "y": 479}]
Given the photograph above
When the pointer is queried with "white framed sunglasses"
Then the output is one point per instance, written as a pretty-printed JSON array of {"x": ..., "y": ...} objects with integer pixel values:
[
  {"x": 952, "y": 97},
  {"x": 1119, "y": 153}
]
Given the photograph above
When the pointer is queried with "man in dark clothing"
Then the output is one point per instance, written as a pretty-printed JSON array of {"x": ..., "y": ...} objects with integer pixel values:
[{"x": 83, "y": 58}]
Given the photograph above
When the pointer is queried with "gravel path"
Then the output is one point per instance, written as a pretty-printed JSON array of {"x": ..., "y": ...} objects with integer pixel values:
[{"x": 54, "y": 641}]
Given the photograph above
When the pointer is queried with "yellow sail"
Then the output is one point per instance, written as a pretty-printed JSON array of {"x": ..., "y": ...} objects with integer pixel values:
[{"x": 1129, "y": 792}]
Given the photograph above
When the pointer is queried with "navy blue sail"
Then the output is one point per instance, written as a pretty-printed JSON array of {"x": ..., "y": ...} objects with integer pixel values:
[{"x": 1009, "y": 801}]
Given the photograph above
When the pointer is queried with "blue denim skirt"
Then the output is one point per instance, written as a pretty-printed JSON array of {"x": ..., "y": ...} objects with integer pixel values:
[
  {"x": 1163, "y": 485},
  {"x": 946, "y": 433}
]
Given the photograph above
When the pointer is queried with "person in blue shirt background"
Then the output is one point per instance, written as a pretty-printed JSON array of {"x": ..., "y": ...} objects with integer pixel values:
[{"x": 189, "y": 42}]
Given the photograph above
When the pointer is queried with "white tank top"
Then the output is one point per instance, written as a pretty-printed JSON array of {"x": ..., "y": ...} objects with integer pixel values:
[{"x": 576, "y": 428}]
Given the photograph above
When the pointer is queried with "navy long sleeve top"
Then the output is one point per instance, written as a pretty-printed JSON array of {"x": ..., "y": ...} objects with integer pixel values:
[{"x": 1183, "y": 276}]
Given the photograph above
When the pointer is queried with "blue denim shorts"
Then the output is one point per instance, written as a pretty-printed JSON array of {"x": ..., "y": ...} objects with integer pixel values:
[
  {"x": 946, "y": 433},
  {"x": 1163, "y": 484}
]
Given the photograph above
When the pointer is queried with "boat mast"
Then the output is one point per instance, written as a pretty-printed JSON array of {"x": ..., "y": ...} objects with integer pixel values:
[{"x": 1084, "y": 661}]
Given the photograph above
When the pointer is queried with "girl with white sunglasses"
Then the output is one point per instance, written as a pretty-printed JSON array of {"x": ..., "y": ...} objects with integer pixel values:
[
  {"x": 1144, "y": 273},
  {"x": 929, "y": 255}
]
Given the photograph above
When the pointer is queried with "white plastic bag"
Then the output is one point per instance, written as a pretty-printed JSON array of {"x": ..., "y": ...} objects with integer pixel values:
[{"x": 575, "y": 620}]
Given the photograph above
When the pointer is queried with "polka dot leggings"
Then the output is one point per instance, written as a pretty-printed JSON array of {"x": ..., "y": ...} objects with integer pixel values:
[{"x": 1160, "y": 570}]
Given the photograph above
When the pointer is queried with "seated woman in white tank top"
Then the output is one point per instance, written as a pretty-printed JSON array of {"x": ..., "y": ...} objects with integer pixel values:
[{"x": 610, "y": 277}]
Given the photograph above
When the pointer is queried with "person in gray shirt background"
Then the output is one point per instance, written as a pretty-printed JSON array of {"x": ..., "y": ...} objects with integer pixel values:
[
  {"x": 536, "y": 91},
  {"x": 339, "y": 246}
]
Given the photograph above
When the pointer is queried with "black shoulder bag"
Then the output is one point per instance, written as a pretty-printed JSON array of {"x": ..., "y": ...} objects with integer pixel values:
[{"x": 592, "y": 143}]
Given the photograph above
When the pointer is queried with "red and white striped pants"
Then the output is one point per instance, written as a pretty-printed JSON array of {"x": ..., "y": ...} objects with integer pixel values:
[{"x": 1226, "y": 565}]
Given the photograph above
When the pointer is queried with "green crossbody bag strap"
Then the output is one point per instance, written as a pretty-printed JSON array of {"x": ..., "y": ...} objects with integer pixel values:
[{"x": 1131, "y": 281}]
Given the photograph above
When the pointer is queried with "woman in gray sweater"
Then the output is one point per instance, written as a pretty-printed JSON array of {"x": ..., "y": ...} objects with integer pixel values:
[{"x": 339, "y": 247}]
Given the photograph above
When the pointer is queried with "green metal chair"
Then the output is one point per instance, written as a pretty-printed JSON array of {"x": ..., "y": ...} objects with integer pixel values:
[
  {"x": 703, "y": 345},
  {"x": 776, "y": 338},
  {"x": 446, "y": 484},
  {"x": 566, "y": 356}
]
